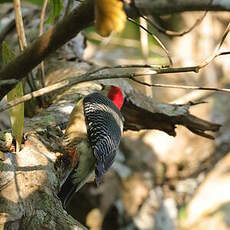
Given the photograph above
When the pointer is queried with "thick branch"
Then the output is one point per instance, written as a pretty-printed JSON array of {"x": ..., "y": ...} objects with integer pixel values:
[
  {"x": 54, "y": 38},
  {"x": 28, "y": 185},
  {"x": 160, "y": 7},
  {"x": 140, "y": 112}
]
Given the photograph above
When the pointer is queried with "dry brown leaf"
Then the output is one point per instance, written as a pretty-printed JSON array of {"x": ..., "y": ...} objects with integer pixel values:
[{"x": 110, "y": 16}]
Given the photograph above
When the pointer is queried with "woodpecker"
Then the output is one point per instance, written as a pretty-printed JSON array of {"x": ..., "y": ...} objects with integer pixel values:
[{"x": 92, "y": 138}]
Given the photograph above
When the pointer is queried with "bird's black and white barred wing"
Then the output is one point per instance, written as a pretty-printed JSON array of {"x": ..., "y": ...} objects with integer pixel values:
[
  {"x": 104, "y": 127},
  {"x": 105, "y": 155}
]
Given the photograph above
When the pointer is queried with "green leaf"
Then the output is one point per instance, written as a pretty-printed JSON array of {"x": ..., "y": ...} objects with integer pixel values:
[
  {"x": 7, "y": 54},
  {"x": 182, "y": 213},
  {"x": 56, "y": 7},
  {"x": 16, "y": 112},
  {"x": 36, "y": 2}
]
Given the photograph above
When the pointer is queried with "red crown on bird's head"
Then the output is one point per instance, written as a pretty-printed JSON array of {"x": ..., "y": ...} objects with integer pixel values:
[{"x": 116, "y": 96}]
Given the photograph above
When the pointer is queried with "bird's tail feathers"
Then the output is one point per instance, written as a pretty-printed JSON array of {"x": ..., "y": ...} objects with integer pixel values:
[{"x": 71, "y": 186}]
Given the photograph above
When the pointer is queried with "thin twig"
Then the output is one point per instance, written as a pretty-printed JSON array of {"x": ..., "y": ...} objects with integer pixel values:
[
  {"x": 222, "y": 53},
  {"x": 182, "y": 86},
  {"x": 19, "y": 24},
  {"x": 156, "y": 38},
  {"x": 216, "y": 52},
  {"x": 196, "y": 95},
  {"x": 144, "y": 39},
  {"x": 42, "y": 17},
  {"x": 174, "y": 33},
  {"x": 21, "y": 35},
  {"x": 165, "y": 31},
  {"x": 153, "y": 66}
]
